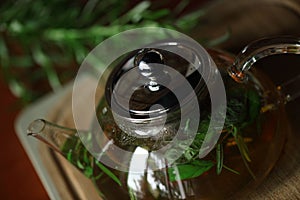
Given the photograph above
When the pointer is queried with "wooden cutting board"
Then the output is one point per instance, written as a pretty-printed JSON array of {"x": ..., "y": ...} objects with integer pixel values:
[{"x": 71, "y": 184}]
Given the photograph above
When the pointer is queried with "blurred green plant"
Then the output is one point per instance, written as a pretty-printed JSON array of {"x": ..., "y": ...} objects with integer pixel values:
[{"x": 43, "y": 42}]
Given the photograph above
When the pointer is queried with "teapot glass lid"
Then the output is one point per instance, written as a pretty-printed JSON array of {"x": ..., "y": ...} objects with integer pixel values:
[{"x": 145, "y": 81}]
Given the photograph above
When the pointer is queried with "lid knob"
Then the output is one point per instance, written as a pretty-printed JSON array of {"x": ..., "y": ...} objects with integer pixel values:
[{"x": 147, "y": 61}]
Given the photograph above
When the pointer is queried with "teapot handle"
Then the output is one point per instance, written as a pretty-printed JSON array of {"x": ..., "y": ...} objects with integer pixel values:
[{"x": 263, "y": 48}]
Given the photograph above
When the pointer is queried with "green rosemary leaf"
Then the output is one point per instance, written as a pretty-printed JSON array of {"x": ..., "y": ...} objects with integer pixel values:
[
  {"x": 70, "y": 155},
  {"x": 190, "y": 153},
  {"x": 40, "y": 58},
  {"x": 89, "y": 7},
  {"x": 108, "y": 172},
  {"x": 106, "y": 31},
  {"x": 219, "y": 157},
  {"x": 203, "y": 127},
  {"x": 189, "y": 170},
  {"x": 78, "y": 49},
  {"x": 21, "y": 61},
  {"x": 79, "y": 164},
  {"x": 132, "y": 195},
  {"x": 86, "y": 156},
  {"x": 155, "y": 15},
  {"x": 88, "y": 171},
  {"x": 231, "y": 170},
  {"x": 244, "y": 151},
  {"x": 187, "y": 124},
  {"x": 3, "y": 54},
  {"x": 98, "y": 176},
  {"x": 49, "y": 24},
  {"x": 241, "y": 144},
  {"x": 78, "y": 145},
  {"x": 243, "y": 148},
  {"x": 181, "y": 6},
  {"x": 216, "y": 41},
  {"x": 242, "y": 110},
  {"x": 60, "y": 34},
  {"x": 9, "y": 14},
  {"x": 16, "y": 27},
  {"x": 236, "y": 112},
  {"x": 114, "y": 6},
  {"x": 254, "y": 105},
  {"x": 93, "y": 32},
  {"x": 97, "y": 188},
  {"x": 95, "y": 62},
  {"x": 18, "y": 88},
  {"x": 134, "y": 15},
  {"x": 189, "y": 20}
]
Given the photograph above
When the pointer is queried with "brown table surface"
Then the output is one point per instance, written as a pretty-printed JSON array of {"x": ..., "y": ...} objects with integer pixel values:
[{"x": 18, "y": 179}]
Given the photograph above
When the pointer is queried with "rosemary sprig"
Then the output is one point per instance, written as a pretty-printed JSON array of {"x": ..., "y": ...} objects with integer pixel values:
[
  {"x": 219, "y": 157},
  {"x": 51, "y": 41},
  {"x": 243, "y": 150},
  {"x": 79, "y": 156},
  {"x": 242, "y": 110}
]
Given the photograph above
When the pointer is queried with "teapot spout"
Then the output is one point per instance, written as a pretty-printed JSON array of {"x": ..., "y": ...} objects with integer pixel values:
[
  {"x": 53, "y": 135},
  {"x": 67, "y": 142}
]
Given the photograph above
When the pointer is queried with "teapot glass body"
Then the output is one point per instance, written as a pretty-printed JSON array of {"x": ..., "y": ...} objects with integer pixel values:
[
  {"x": 236, "y": 164},
  {"x": 247, "y": 148}
]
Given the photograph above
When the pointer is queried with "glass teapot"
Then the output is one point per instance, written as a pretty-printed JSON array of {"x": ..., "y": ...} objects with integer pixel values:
[{"x": 177, "y": 121}]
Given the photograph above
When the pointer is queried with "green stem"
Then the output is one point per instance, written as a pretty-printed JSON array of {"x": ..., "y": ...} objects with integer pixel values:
[{"x": 243, "y": 150}]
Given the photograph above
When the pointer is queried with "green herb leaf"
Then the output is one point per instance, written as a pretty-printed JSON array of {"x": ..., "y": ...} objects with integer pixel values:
[
  {"x": 99, "y": 176},
  {"x": 189, "y": 170},
  {"x": 134, "y": 15},
  {"x": 231, "y": 170},
  {"x": 155, "y": 15},
  {"x": 79, "y": 164},
  {"x": 220, "y": 157},
  {"x": 21, "y": 61},
  {"x": 132, "y": 194},
  {"x": 41, "y": 58},
  {"x": 254, "y": 105},
  {"x": 88, "y": 171},
  {"x": 69, "y": 155},
  {"x": 86, "y": 156},
  {"x": 189, "y": 20},
  {"x": 97, "y": 188},
  {"x": 53, "y": 28},
  {"x": 243, "y": 150},
  {"x": 219, "y": 40},
  {"x": 181, "y": 6},
  {"x": 4, "y": 57},
  {"x": 108, "y": 172}
]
